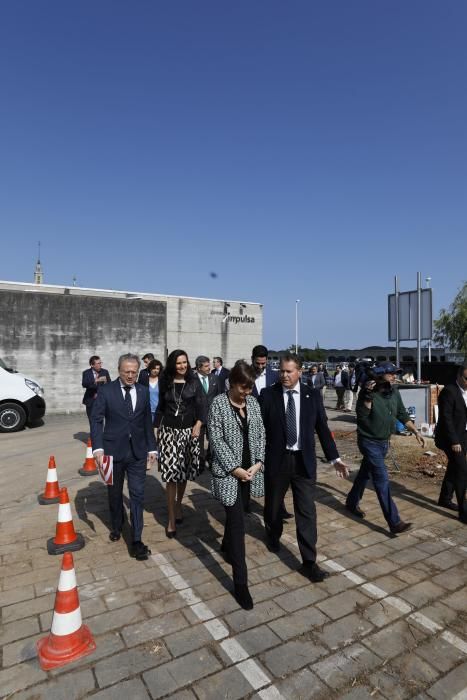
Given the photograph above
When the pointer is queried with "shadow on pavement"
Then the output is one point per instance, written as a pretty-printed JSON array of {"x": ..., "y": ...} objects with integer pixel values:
[
  {"x": 81, "y": 436},
  {"x": 325, "y": 497},
  {"x": 92, "y": 501}
]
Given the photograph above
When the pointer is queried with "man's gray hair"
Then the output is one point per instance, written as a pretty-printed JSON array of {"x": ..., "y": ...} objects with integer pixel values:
[
  {"x": 128, "y": 357},
  {"x": 200, "y": 360}
]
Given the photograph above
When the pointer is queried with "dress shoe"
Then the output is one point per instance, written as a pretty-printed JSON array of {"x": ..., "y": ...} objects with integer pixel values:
[
  {"x": 448, "y": 504},
  {"x": 170, "y": 533},
  {"x": 114, "y": 536},
  {"x": 140, "y": 551},
  {"x": 273, "y": 545},
  {"x": 242, "y": 596},
  {"x": 314, "y": 573},
  {"x": 400, "y": 527},
  {"x": 285, "y": 515},
  {"x": 358, "y": 512}
]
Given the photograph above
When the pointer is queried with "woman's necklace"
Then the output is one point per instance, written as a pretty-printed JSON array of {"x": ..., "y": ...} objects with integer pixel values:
[
  {"x": 237, "y": 405},
  {"x": 178, "y": 399}
]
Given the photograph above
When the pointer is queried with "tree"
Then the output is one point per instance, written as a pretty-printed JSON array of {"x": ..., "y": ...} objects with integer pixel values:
[
  {"x": 451, "y": 326},
  {"x": 309, "y": 355}
]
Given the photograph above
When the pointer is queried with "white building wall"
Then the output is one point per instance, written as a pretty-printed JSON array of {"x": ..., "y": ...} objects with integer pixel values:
[{"x": 49, "y": 332}]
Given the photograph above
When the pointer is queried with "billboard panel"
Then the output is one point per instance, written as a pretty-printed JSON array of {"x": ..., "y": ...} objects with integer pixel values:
[{"x": 408, "y": 315}]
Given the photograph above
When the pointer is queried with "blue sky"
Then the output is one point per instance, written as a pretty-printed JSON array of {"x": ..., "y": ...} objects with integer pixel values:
[{"x": 305, "y": 150}]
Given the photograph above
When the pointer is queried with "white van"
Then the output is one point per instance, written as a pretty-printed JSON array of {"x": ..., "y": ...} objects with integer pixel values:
[{"x": 21, "y": 400}]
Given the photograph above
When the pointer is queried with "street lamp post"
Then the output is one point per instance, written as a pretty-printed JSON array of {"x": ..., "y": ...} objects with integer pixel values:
[
  {"x": 428, "y": 280},
  {"x": 297, "y": 301}
]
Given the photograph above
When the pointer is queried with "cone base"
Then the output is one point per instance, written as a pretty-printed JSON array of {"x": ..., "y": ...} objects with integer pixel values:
[
  {"x": 87, "y": 472},
  {"x": 74, "y": 546},
  {"x": 46, "y": 501},
  {"x": 81, "y": 644}
]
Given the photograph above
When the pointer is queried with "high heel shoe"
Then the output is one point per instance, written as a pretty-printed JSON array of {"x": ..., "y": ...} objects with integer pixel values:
[
  {"x": 242, "y": 596},
  {"x": 170, "y": 533}
]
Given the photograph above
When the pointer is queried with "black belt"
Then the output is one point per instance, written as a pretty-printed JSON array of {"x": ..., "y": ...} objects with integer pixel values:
[{"x": 293, "y": 452}]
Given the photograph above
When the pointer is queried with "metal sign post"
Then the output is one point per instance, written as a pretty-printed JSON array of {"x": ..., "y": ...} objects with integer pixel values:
[
  {"x": 396, "y": 295},
  {"x": 410, "y": 317},
  {"x": 419, "y": 326}
]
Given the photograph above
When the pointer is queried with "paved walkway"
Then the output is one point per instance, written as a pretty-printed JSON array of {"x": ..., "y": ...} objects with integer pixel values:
[{"x": 389, "y": 623}]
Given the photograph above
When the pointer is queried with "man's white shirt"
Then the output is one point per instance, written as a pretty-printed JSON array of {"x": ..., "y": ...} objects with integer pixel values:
[{"x": 260, "y": 381}]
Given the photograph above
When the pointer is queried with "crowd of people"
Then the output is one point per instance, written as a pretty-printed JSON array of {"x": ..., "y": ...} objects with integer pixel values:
[{"x": 254, "y": 429}]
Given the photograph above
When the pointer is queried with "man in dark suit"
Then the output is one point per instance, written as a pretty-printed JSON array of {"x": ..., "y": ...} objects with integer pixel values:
[
  {"x": 265, "y": 376},
  {"x": 451, "y": 436},
  {"x": 291, "y": 414},
  {"x": 221, "y": 373},
  {"x": 92, "y": 379},
  {"x": 210, "y": 386},
  {"x": 143, "y": 377},
  {"x": 121, "y": 427}
]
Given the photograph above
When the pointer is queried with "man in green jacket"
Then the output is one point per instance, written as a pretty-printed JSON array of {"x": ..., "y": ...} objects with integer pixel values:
[{"x": 378, "y": 406}]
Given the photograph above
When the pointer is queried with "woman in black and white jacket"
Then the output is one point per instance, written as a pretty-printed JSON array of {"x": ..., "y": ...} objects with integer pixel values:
[{"x": 237, "y": 439}]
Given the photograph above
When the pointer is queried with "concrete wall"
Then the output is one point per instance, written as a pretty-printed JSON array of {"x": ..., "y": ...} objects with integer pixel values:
[
  {"x": 50, "y": 338},
  {"x": 198, "y": 326},
  {"x": 49, "y": 332}
]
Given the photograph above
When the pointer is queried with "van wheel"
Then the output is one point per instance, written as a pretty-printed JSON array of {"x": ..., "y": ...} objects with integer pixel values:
[{"x": 12, "y": 417}]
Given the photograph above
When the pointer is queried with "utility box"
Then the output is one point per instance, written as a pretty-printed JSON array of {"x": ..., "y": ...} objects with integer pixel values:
[{"x": 422, "y": 398}]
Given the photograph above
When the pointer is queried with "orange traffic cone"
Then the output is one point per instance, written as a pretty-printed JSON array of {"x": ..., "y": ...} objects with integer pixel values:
[
  {"x": 50, "y": 494},
  {"x": 89, "y": 467},
  {"x": 66, "y": 539},
  {"x": 69, "y": 639}
]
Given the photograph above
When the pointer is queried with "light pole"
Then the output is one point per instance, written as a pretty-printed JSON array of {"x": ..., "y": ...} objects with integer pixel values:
[
  {"x": 297, "y": 301},
  {"x": 428, "y": 280}
]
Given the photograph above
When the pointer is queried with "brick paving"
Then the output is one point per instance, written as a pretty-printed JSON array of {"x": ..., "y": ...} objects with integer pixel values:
[{"x": 389, "y": 623}]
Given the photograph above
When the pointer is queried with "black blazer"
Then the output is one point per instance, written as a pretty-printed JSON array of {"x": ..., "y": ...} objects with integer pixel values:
[
  {"x": 88, "y": 382},
  {"x": 221, "y": 377},
  {"x": 452, "y": 418},
  {"x": 111, "y": 426},
  {"x": 143, "y": 377},
  {"x": 312, "y": 417},
  {"x": 213, "y": 388},
  {"x": 193, "y": 406}
]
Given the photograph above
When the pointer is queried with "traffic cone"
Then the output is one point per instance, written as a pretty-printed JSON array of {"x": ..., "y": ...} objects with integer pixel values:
[
  {"x": 66, "y": 539},
  {"x": 89, "y": 467},
  {"x": 68, "y": 639},
  {"x": 51, "y": 493}
]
